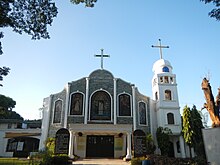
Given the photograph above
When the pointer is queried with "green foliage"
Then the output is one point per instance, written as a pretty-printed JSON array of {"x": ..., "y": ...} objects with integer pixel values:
[
  {"x": 6, "y": 106},
  {"x": 48, "y": 157},
  {"x": 150, "y": 147},
  {"x": 192, "y": 130},
  {"x": 88, "y": 3},
  {"x": 50, "y": 145},
  {"x": 60, "y": 159},
  {"x": 137, "y": 161},
  {"x": 29, "y": 16},
  {"x": 17, "y": 161},
  {"x": 3, "y": 70},
  {"x": 6, "y": 103},
  {"x": 197, "y": 127},
  {"x": 163, "y": 139},
  {"x": 214, "y": 13},
  {"x": 187, "y": 126}
]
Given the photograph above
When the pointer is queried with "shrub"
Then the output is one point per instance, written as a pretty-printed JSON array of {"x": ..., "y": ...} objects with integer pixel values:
[
  {"x": 60, "y": 159},
  {"x": 137, "y": 161}
]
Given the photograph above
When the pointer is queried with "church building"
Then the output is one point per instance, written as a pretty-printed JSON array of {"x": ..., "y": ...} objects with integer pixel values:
[{"x": 101, "y": 112}]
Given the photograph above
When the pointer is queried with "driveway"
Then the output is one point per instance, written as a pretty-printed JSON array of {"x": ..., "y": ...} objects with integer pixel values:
[{"x": 100, "y": 162}]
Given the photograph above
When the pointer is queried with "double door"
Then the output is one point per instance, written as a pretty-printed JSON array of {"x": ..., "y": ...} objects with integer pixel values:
[{"x": 100, "y": 146}]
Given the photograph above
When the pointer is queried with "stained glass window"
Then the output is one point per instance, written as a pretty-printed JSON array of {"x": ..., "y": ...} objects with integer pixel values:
[
  {"x": 57, "y": 111},
  {"x": 100, "y": 106},
  {"x": 124, "y": 105},
  {"x": 76, "y": 107}
]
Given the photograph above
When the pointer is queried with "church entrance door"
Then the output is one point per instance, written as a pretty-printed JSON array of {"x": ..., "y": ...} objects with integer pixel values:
[{"x": 100, "y": 146}]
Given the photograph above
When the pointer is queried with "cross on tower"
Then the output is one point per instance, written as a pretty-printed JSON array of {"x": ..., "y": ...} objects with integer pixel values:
[
  {"x": 102, "y": 56},
  {"x": 160, "y": 46}
]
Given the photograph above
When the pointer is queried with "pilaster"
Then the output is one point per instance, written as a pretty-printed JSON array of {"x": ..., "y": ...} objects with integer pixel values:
[
  {"x": 134, "y": 108},
  {"x": 87, "y": 101},
  {"x": 66, "y": 105},
  {"x": 115, "y": 101}
]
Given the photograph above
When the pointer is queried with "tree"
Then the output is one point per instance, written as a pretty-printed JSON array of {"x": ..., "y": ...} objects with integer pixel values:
[
  {"x": 214, "y": 13},
  {"x": 6, "y": 103},
  {"x": 150, "y": 147},
  {"x": 29, "y": 16},
  {"x": 163, "y": 139},
  {"x": 88, "y": 3},
  {"x": 3, "y": 72},
  {"x": 6, "y": 106},
  {"x": 187, "y": 128},
  {"x": 197, "y": 127}
]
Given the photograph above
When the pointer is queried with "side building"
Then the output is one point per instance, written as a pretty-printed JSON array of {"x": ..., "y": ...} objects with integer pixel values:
[{"x": 19, "y": 138}]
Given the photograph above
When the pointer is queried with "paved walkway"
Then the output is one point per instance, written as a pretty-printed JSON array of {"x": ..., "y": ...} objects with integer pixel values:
[{"x": 100, "y": 162}]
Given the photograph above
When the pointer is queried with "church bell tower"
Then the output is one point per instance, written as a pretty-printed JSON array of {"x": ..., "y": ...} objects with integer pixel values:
[{"x": 164, "y": 88}]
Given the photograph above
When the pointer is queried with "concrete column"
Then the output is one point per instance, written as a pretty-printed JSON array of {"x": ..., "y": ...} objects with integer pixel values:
[
  {"x": 45, "y": 121},
  {"x": 71, "y": 145},
  {"x": 182, "y": 147},
  {"x": 128, "y": 156},
  {"x": 67, "y": 105},
  {"x": 115, "y": 101},
  {"x": 134, "y": 108},
  {"x": 87, "y": 101}
]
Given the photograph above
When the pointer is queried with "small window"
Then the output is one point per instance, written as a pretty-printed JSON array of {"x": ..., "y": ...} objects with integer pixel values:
[
  {"x": 168, "y": 95},
  {"x": 161, "y": 79},
  {"x": 170, "y": 118},
  {"x": 142, "y": 113},
  {"x": 156, "y": 96},
  {"x": 155, "y": 81},
  {"x": 165, "y": 69},
  {"x": 11, "y": 145},
  {"x": 9, "y": 125}
]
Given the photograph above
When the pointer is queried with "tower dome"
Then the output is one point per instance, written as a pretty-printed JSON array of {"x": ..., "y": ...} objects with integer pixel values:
[{"x": 162, "y": 66}]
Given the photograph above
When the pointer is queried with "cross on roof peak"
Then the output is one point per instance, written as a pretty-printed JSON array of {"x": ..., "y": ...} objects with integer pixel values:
[
  {"x": 102, "y": 56},
  {"x": 160, "y": 47}
]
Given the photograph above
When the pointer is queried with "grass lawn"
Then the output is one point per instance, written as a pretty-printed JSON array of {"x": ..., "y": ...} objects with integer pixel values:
[{"x": 17, "y": 161}]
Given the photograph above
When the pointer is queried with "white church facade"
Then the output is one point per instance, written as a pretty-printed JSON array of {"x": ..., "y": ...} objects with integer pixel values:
[{"x": 101, "y": 112}]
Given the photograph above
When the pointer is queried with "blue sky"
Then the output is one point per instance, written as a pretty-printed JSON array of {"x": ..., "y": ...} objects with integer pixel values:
[{"x": 126, "y": 29}]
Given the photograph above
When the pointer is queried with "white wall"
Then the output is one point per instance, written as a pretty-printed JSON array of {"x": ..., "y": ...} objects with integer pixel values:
[{"x": 212, "y": 145}]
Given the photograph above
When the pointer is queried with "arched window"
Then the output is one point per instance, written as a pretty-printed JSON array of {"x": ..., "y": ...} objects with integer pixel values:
[
  {"x": 100, "y": 106},
  {"x": 170, "y": 118},
  {"x": 57, "y": 111},
  {"x": 166, "y": 79},
  {"x": 76, "y": 107},
  {"x": 142, "y": 113},
  {"x": 168, "y": 95},
  {"x": 124, "y": 105},
  {"x": 156, "y": 95}
]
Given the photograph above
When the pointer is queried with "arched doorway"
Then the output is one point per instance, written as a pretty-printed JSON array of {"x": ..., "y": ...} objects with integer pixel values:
[{"x": 62, "y": 141}]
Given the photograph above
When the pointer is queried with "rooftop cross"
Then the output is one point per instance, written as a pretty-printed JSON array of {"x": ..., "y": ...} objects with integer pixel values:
[
  {"x": 101, "y": 56},
  {"x": 160, "y": 46}
]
